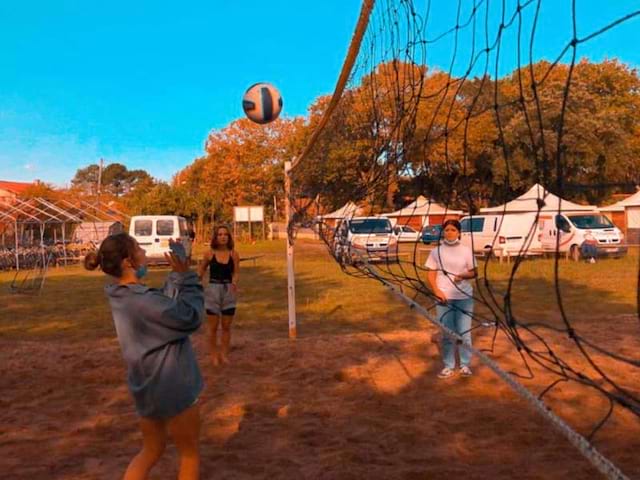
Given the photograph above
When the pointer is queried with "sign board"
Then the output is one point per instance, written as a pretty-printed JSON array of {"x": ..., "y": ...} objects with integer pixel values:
[{"x": 248, "y": 214}]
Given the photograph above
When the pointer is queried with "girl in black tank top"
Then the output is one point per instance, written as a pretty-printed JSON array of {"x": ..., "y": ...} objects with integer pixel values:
[
  {"x": 221, "y": 272},
  {"x": 221, "y": 291}
]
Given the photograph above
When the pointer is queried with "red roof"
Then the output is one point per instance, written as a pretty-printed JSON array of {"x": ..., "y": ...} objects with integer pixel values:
[{"x": 15, "y": 187}]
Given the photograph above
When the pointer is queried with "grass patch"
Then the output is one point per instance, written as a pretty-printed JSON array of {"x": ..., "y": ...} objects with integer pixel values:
[{"x": 328, "y": 301}]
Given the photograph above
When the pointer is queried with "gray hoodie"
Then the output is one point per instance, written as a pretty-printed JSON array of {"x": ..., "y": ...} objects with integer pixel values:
[{"x": 153, "y": 331}]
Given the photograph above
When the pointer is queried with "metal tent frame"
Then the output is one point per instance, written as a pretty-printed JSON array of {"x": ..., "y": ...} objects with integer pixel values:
[{"x": 41, "y": 212}]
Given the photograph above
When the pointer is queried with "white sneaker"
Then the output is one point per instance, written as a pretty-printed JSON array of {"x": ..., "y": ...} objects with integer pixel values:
[
  {"x": 465, "y": 371},
  {"x": 446, "y": 372}
]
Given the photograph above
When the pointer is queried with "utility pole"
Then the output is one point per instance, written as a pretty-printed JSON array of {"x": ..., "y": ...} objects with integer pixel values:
[{"x": 100, "y": 177}]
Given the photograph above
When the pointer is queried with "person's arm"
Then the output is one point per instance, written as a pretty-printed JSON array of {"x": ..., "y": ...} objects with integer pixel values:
[
  {"x": 236, "y": 270},
  {"x": 183, "y": 313},
  {"x": 472, "y": 269},
  {"x": 468, "y": 275},
  {"x": 432, "y": 275},
  {"x": 203, "y": 264}
]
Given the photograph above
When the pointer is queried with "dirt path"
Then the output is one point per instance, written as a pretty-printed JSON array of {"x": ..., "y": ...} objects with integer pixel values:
[{"x": 326, "y": 407}]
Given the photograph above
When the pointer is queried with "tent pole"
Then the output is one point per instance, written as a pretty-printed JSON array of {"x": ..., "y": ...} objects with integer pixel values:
[
  {"x": 64, "y": 244},
  {"x": 16, "y": 247}
]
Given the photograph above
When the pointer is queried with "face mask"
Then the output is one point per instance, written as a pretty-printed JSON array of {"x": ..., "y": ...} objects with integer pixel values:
[
  {"x": 450, "y": 242},
  {"x": 141, "y": 271}
]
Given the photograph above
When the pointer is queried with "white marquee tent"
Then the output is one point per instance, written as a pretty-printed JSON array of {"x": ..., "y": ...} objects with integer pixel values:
[
  {"x": 626, "y": 215},
  {"x": 421, "y": 212},
  {"x": 528, "y": 202}
]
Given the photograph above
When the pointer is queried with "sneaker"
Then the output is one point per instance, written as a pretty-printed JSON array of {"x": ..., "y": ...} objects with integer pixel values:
[
  {"x": 465, "y": 371},
  {"x": 446, "y": 373}
]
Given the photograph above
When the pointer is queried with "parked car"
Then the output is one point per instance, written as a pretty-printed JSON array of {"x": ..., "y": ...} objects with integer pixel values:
[
  {"x": 365, "y": 238},
  {"x": 431, "y": 234},
  {"x": 404, "y": 233}
]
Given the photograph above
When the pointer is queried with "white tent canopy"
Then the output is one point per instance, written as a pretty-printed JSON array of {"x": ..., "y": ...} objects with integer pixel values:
[
  {"x": 422, "y": 206},
  {"x": 349, "y": 209},
  {"x": 528, "y": 202},
  {"x": 632, "y": 201}
]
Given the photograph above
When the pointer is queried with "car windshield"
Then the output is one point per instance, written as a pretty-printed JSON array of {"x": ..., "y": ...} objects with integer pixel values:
[
  {"x": 432, "y": 229},
  {"x": 370, "y": 225},
  {"x": 590, "y": 221}
]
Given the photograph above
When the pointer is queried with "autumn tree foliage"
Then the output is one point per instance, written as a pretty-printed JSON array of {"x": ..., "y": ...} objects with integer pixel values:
[
  {"x": 470, "y": 142},
  {"x": 405, "y": 130},
  {"x": 243, "y": 165}
]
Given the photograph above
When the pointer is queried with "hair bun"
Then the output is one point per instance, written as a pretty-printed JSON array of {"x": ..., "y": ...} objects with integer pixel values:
[{"x": 91, "y": 261}]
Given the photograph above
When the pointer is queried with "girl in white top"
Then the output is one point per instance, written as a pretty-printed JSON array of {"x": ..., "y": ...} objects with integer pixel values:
[{"x": 451, "y": 266}]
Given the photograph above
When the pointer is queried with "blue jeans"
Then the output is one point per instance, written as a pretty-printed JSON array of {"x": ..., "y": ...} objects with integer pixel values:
[{"x": 456, "y": 316}]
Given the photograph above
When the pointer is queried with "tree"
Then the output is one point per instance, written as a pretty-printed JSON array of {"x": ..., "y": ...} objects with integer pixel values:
[
  {"x": 116, "y": 179},
  {"x": 87, "y": 178},
  {"x": 243, "y": 165}
]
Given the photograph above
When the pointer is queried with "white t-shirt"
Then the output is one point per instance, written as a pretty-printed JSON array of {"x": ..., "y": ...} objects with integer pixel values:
[{"x": 451, "y": 260}]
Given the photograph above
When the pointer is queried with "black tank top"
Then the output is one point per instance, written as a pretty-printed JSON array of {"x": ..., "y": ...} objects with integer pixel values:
[{"x": 221, "y": 272}]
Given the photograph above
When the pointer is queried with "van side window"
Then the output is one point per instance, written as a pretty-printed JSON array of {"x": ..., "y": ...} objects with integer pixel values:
[
  {"x": 184, "y": 231},
  {"x": 164, "y": 227},
  {"x": 473, "y": 225},
  {"x": 495, "y": 224},
  {"x": 143, "y": 228}
]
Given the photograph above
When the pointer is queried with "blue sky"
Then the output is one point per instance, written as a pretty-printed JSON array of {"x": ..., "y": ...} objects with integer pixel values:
[{"x": 142, "y": 83}]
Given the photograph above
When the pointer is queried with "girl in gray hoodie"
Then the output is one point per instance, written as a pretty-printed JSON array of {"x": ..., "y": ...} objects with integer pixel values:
[{"x": 153, "y": 330}]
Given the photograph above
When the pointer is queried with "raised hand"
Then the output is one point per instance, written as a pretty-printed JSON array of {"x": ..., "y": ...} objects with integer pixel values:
[{"x": 177, "y": 258}]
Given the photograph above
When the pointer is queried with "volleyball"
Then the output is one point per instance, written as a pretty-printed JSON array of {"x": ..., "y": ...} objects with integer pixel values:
[{"x": 262, "y": 103}]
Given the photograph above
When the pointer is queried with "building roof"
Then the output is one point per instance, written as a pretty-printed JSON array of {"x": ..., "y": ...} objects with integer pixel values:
[
  {"x": 422, "y": 206},
  {"x": 349, "y": 209},
  {"x": 631, "y": 201},
  {"x": 528, "y": 202},
  {"x": 14, "y": 187}
]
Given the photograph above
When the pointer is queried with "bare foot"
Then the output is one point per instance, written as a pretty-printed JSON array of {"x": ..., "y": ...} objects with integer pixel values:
[
  {"x": 224, "y": 359},
  {"x": 215, "y": 359}
]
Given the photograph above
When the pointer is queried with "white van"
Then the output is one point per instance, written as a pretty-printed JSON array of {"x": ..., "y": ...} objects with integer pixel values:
[
  {"x": 573, "y": 229},
  {"x": 504, "y": 235},
  {"x": 369, "y": 238},
  {"x": 153, "y": 233}
]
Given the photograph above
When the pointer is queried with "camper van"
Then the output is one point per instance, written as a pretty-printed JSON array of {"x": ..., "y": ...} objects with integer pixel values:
[
  {"x": 568, "y": 231},
  {"x": 153, "y": 233},
  {"x": 503, "y": 235},
  {"x": 365, "y": 238}
]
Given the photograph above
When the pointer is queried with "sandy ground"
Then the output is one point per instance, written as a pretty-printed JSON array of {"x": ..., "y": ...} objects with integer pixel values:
[{"x": 350, "y": 406}]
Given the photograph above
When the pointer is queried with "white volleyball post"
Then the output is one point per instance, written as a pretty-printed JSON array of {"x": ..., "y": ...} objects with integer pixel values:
[
  {"x": 291, "y": 283},
  {"x": 345, "y": 73}
]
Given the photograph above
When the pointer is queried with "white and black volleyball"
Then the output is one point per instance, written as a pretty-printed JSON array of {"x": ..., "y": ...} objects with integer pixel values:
[{"x": 262, "y": 103}]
